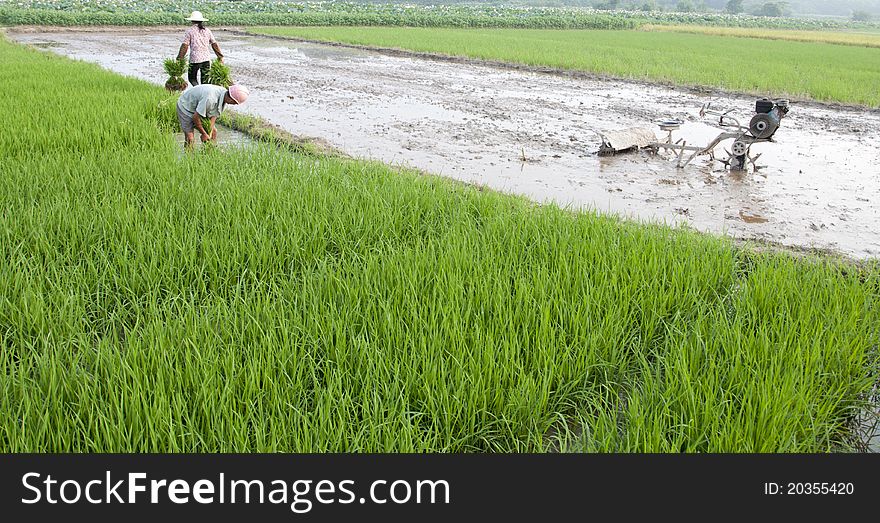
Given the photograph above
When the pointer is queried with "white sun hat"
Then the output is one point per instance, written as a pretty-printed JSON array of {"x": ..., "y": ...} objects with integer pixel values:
[{"x": 196, "y": 16}]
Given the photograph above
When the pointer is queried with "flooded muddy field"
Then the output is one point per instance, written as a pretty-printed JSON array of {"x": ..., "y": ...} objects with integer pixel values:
[
  {"x": 225, "y": 138},
  {"x": 535, "y": 134}
]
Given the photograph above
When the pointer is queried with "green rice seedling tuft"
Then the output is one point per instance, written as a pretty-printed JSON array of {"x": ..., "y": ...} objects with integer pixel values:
[
  {"x": 218, "y": 74},
  {"x": 175, "y": 69}
]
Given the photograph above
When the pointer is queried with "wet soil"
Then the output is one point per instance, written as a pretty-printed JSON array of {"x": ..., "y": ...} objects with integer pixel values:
[
  {"x": 533, "y": 133},
  {"x": 226, "y": 137}
]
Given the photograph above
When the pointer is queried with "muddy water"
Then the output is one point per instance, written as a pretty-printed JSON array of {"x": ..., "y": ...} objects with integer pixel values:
[
  {"x": 226, "y": 137},
  {"x": 535, "y": 134}
]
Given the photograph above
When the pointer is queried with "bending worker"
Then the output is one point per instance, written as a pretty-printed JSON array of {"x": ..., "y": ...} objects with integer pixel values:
[
  {"x": 198, "y": 108},
  {"x": 197, "y": 39}
]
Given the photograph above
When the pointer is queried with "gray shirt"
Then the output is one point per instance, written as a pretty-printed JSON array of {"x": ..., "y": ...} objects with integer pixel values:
[{"x": 206, "y": 99}]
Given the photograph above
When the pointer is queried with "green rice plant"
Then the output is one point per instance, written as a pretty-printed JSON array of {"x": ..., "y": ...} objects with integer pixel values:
[
  {"x": 218, "y": 74},
  {"x": 175, "y": 68},
  {"x": 259, "y": 300},
  {"x": 163, "y": 113}
]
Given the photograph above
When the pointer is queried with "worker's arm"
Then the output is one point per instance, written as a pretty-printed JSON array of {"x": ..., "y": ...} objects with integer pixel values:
[
  {"x": 217, "y": 51},
  {"x": 183, "y": 48},
  {"x": 213, "y": 128},
  {"x": 199, "y": 123}
]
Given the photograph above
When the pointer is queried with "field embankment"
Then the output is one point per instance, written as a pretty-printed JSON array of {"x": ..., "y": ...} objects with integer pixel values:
[
  {"x": 257, "y": 300},
  {"x": 855, "y": 38},
  {"x": 814, "y": 70}
]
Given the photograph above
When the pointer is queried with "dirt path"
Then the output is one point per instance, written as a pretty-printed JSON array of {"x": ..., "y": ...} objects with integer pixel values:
[{"x": 535, "y": 134}]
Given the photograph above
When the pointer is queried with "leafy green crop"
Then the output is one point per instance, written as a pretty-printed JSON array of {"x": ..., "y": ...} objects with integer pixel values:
[{"x": 291, "y": 12}]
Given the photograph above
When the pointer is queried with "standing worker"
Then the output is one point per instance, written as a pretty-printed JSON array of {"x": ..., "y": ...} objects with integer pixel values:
[
  {"x": 199, "y": 107},
  {"x": 198, "y": 39}
]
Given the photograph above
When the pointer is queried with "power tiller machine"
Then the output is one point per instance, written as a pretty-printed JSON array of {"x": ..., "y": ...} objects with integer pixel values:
[{"x": 762, "y": 126}]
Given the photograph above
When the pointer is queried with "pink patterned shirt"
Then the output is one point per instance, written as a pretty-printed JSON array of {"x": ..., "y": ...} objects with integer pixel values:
[{"x": 199, "y": 43}]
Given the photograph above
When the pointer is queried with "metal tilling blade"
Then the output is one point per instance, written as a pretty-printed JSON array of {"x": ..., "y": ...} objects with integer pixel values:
[
  {"x": 753, "y": 160},
  {"x": 727, "y": 160}
]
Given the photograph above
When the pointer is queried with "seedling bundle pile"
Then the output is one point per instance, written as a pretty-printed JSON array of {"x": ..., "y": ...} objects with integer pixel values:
[
  {"x": 218, "y": 74},
  {"x": 175, "y": 69}
]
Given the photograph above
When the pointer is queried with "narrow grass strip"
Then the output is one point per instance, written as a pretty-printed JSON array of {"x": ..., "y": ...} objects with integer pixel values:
[{"x": 855, "y": 38}]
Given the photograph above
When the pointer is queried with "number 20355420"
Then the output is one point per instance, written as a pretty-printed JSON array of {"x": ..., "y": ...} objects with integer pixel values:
[{"x": 809, "y": 489}]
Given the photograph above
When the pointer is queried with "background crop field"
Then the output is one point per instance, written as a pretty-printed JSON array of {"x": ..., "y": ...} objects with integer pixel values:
[
  {"x": 294, "y": 12},
  {"x": 255, "y": 300},
  {"x": 756, "y": 65}
]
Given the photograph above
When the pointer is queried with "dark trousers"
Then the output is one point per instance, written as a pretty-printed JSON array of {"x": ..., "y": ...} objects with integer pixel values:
[{"x": 195, "y": 68}]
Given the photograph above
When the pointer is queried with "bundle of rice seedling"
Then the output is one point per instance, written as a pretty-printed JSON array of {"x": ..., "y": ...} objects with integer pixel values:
[
  {"x": 218, "y": 74},
  {"x": 175, "y": 69}
]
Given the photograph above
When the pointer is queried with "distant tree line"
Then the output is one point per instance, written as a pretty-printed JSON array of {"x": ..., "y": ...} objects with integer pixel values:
[{"x": 770, "y": 8}]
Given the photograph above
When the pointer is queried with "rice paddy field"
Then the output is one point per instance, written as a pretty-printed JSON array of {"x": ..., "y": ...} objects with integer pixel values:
[
  {"x": 730, "y": 60},
  {"x": 850, "y": 37},
  {"x": 254, "y": 299}
]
